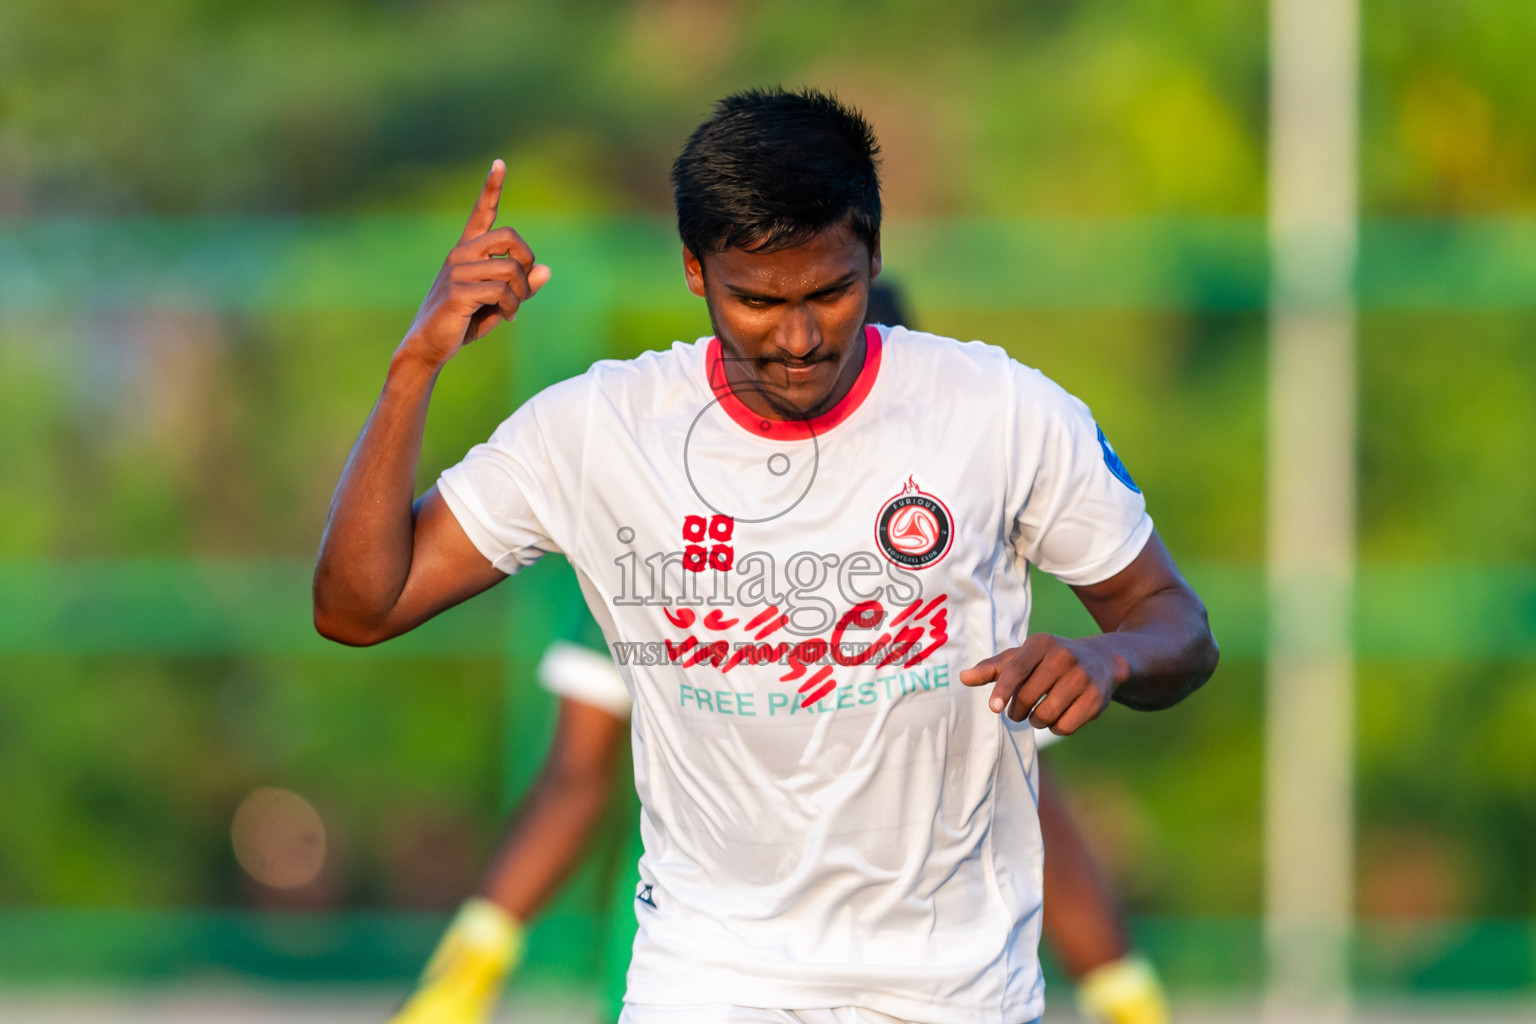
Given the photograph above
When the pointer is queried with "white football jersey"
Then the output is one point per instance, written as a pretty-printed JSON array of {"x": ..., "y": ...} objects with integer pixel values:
[{"x": 829, "y": 817}]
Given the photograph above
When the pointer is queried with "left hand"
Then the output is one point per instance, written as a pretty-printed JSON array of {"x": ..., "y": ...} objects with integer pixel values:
[{"x": 1067, "y": 682}]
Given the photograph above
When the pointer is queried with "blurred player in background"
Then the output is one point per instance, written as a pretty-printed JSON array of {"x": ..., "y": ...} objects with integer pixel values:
[{"x": 484, "y": 944}]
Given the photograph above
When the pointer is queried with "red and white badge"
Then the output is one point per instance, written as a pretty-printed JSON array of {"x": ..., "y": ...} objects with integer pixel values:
[{"x": 914, "y": 529}]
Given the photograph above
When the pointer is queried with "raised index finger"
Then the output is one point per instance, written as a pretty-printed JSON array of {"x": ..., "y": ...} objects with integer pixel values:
[{"x": 484, "y": 214}]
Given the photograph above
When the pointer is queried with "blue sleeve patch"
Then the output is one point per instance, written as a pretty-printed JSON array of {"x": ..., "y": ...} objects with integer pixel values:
[{"x": 1113, "y": 462}]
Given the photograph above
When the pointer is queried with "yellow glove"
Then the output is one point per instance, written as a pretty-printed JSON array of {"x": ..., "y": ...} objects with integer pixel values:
[
  {"x": 463, "y": 979},
  {"x": 1125, "y": 991}
]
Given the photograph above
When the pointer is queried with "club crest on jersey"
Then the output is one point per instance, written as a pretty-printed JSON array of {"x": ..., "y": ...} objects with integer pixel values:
[{"x": 914, "y": 529}]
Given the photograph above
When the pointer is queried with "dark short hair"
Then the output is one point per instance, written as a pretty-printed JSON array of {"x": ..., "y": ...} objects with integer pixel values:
[{"x": 772, "y": 168}]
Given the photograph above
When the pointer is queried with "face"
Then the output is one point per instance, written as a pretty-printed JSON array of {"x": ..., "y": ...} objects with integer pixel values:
[{"x": 789, "y": 322}]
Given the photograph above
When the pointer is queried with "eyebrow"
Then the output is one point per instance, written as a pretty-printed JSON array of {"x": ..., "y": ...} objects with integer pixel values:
[{"x": 836, "y": 285}]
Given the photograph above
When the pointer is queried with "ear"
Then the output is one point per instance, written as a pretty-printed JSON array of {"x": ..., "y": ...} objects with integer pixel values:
[
  {"x": 694, "y": 271},
  {"x": 874, "y": 259}
]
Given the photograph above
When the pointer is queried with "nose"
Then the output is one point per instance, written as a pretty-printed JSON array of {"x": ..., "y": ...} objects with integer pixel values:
[{"x": 799, "y": 334}]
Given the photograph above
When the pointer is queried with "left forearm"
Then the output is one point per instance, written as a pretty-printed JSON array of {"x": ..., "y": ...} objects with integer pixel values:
[
  {"x": 546, "y": 841},
  {"x": 1156, "y": 649},
  {"x": 1163, "y": 650},
  {"x": 551, "y": 828}
]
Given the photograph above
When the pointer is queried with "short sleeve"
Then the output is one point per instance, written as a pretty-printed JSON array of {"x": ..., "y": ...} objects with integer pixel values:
[
  {"x": 509, "y": 493},
  {"x": 1083, "y": 518},
  {"x": 581, "y": 674}
]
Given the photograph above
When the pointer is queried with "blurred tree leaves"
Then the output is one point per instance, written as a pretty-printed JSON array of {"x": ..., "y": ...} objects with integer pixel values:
[{"x": 217, "y": 432}]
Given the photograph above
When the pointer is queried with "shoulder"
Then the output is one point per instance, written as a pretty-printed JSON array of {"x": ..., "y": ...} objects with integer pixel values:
[
  {"x": 682, "y": 360},
  {"x": 652, "y": 380},
  {"x": 985, "y": 369},
  {"x": 923, "y": 352}
]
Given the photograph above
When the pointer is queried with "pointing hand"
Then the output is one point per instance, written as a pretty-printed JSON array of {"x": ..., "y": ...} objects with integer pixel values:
[{"x": 486, "y": 277}]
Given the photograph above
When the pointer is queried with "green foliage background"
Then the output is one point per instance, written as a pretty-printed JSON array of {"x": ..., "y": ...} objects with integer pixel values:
[{"x": 181, "y": 375}]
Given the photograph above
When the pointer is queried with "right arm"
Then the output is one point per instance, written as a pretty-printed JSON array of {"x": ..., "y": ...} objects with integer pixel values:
[
  {"x": 557, "y": 817},
  {"x": 1083, "y": 921},
  {"x": 488, "y": 936},
  {"x": 387, "y": 564}
]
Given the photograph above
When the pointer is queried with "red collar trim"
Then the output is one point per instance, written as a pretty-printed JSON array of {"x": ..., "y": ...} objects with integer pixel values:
[{"x": 795, "y": 430}]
